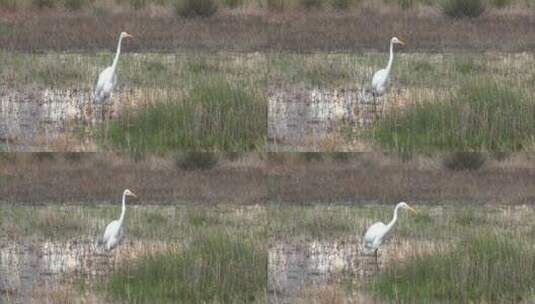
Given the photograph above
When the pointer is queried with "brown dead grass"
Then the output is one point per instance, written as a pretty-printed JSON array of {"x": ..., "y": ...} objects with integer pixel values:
[
  {"x": 298, "y": 178},
  {"x": 100, "y": 178},
  {"x": 367, "y": 28},
  {"x": 376, "y": 178}
]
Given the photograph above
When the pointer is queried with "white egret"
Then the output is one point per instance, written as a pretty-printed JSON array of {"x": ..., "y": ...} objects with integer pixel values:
[
  {"x": 381, "y": 77},
  {"x": 114, "y": 231},
  {"x": 108, "y": 78},
  {"x": 375, "y": 235}
]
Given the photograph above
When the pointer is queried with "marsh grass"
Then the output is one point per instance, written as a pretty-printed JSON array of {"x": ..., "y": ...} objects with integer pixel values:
[
  {"x": 489, "y": 267},
  {"x": 482, "y": 115},
  {"x": 218, "y": 268},
  {"x": 217, "y": 115}
]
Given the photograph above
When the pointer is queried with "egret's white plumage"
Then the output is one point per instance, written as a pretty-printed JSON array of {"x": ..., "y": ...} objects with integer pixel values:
[
  {"x": 114, "y": 231},
  {"x": 375, "y": 235},
  {"x": 380, "y": 78},
  {"x": 108, "y": 78}
]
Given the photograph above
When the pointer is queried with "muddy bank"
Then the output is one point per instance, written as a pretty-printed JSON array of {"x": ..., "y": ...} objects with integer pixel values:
[{"x": 52, "y": 119}]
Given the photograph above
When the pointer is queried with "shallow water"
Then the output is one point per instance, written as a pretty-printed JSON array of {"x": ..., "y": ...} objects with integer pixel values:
[
  {"x": 298, "y": 116},
  {"x": 43, "y": 119},
  {"x": 26, "y": 266},
  {"x": 297, "y": 266}
]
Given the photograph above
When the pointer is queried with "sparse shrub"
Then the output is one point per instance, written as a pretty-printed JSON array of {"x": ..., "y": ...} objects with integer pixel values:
[
  {"x": 341, "y": 156},
  {"x": 233, "y": 156},
  {"x": 467, "y": 65},
  {"x": 138, "y": 4},
  {"x": 341, "y": 4},
  {"x": 6, "y": 30},
  {"x": 40, "y": 4},
  {"x": 195, "y": 8},
  {"x": 468, "y": 217},
  {"x": 406, "y": 4},
  {"x": 232, "y": 3},
  {"x": 42, "y": 156},
  {"x": 500, "y": 156},
  {"x": 74, "y": 5},
  {"x": 311, "y": 156},
  {"x": 276, "y": 5},
  {"x": 276, "y": 158},
  {"x": 73, "y": 156},
  {"x": 459, "y": 161},
  {"x": 196, "y": 160},
  {"x": 500, "y": 3},
  {"x": 463, "y": 8},
  {"x": 310, "y": 4},
  {"x": 8, "y": 4}
]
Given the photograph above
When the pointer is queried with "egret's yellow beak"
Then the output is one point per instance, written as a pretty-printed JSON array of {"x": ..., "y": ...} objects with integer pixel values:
[
  {"x": 401, "y": 42},
  {"x": 128, "y": 36},
  {"x": 412, "y": 209},
  {"x": 132, "y": 193}
]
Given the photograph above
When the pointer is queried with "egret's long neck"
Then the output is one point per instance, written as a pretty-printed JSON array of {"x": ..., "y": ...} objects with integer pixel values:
[
  {"x": 114, "y": 65},
  {"x": 391, "y": 60},
  {"x": 124, "y": 209},
  {"x": 394, "y": 219}
]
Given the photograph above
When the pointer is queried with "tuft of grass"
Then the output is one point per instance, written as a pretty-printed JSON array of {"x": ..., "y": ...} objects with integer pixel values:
[
  {"x": 501, "y": 3},
  {"x": 468, "y": 217},
  {"x": 41, "y": 4},
  {"x": 74, "y": 5},
  {"x": 9, "y": 5},
  {"x": 459, "y": 161},
  {"x": 484, "y": 269},
  {"x": 216, "y": 268},
  {"x": 195, "y": 8},
  {"x": 463, "y": 8},
  {"x": 232, "y": 3},
  {"x": 482, "y": 115},
  {"x": 276, "y": 5},
  {"x": 196, "y": 160},
  {"x": 311, "y": 156},
  {"x": 217, "y": 115},
  {"x": 311, "y": 4},
  {"x": 138, "y": 4},
  {"x": 341, "y": 5}
]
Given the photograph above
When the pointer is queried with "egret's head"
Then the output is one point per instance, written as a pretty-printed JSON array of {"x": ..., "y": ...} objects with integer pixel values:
[
  {"x": 126, "y": 35},
  {"x": 129, "y": 193},
  {"x": 406, "y": 206},
  {"x": 397, "y": 40}
]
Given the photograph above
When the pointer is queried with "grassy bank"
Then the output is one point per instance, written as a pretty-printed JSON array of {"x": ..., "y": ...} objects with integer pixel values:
[
  {"x": 217, "y": 115},
  {"x": 218, "y": 268},
  {"x": 482, "y": 115},
  {"x": 485, "y": 268}
]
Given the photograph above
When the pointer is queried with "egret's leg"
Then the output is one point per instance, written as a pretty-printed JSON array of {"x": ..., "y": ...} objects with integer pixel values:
[
  {"x": 374, "y": 108},
  {"x": 376, "y": 259}
]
